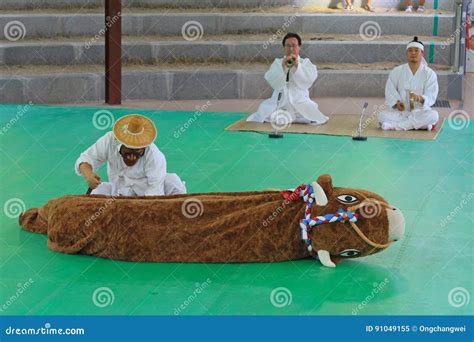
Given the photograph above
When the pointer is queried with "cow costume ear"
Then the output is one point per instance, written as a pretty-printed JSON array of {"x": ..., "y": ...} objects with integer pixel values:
[{"x": 326, "y": 183}]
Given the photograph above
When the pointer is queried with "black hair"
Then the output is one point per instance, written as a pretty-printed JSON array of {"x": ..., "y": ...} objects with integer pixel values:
[
  {"x": 415, "y": 40},
  {"x": 291, "y": 35}
]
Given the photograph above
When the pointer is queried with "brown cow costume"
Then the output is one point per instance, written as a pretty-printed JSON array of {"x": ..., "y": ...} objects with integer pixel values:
[{"x": 257, "y": 226}]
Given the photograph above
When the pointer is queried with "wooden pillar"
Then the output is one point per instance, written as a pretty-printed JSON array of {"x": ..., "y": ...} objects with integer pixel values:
[{"x": 113, "y": 52}]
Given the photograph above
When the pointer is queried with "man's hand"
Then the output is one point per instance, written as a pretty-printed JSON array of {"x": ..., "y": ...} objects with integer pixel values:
[
  {"x": 297, "y": 62},
  {"x": 400, "y": 106},
  {"x": 419, "y": 98},
  {"x": 288, "y": 58},
  {"x": 93, "y": 180}
]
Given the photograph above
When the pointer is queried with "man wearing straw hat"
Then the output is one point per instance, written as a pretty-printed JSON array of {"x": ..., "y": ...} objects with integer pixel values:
[
  {"x": 135, "y": 166},
  {"x": 411, "y": 90}
]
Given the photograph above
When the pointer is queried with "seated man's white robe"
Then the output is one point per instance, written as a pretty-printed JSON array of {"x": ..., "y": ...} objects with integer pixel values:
[
  {"x": 294, "y": 102},
  {"x": 147, "y": 177},
  {"x": 400, "y": 81}
]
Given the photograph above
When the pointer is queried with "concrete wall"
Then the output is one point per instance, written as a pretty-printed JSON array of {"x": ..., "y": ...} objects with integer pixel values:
[{"x": 186, "y": 85}]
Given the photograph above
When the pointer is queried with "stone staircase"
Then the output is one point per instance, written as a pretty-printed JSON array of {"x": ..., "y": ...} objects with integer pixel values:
[{"x": 205, "y": 49}]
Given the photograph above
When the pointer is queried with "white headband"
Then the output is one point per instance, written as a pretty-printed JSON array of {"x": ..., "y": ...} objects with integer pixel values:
[{"x": 416, "y": 45}]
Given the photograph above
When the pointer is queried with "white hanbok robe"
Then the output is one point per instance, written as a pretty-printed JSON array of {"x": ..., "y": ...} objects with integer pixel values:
[
  {"x": 147, "y": 177},
  {"x": 295, "y": 101},
  {"x": 400, "y": 81}
]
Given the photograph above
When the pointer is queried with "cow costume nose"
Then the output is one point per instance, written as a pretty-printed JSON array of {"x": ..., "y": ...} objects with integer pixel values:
[{"x": 396, "y": 224}]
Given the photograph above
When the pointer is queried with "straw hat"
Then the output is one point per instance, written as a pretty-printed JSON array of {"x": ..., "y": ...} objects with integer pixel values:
[{"x": 135, "y": 131}]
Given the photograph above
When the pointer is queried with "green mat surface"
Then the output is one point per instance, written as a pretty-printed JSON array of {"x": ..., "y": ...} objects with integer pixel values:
[{"x": 428, "y": 272}]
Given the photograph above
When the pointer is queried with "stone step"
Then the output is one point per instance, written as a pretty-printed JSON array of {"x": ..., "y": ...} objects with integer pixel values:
[
  {"x": 441, "y": 5},
  {"x": 211, "y": 51},
  {"x": 223, "y": 10},
  {"x": 288, "y": 10},
  {"x": 194, "y": 25},
  {"x": 35, "y": 4},
  {"x": 186, "y": 82},
  {"x": 30, "y": 70},
  {"x": 242, "y": 37}
]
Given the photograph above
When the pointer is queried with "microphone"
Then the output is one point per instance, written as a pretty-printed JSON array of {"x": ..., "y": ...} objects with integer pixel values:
[
  {"x": 275, "y": 133},
  {"x": 359, "y": 137}
]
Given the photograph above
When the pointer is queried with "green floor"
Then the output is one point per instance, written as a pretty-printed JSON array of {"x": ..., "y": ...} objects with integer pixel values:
[{"x": 427, "y": 180}]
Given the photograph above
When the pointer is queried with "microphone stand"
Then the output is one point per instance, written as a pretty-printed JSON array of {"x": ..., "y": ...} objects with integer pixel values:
[
  {"x": 359, "y": 137},
  {"x": 275, "y": 133}
]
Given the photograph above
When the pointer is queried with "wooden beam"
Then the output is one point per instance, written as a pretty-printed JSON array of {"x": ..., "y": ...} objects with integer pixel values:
[{"x": 113, "y": 52}]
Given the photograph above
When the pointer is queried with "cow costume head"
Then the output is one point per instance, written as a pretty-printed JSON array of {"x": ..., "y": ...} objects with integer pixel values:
[{"x": 378, "y": 223}]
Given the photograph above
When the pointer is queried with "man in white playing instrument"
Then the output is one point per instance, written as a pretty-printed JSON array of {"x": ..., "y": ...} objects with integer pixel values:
[
  {"x": 290, "y": 77},
  {"x": 411, "y": 90}
]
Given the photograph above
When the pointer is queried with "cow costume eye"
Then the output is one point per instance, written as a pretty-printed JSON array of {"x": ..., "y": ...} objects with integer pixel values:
[
  {"x": 347, "y": 199},
  {"x": 349, "y": 253}
]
